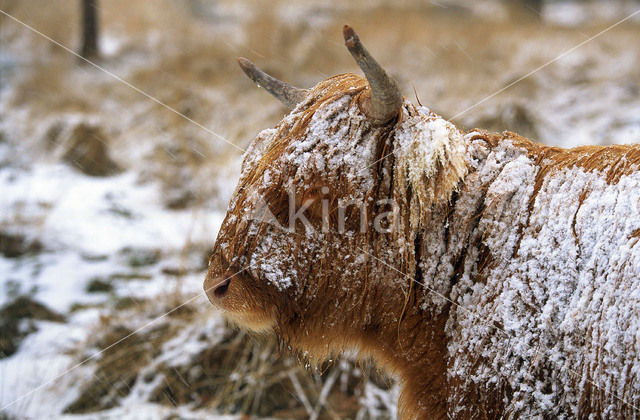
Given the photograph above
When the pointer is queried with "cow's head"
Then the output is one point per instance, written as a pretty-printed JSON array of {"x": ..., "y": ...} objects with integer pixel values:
[{"x": 318, "y": 242}]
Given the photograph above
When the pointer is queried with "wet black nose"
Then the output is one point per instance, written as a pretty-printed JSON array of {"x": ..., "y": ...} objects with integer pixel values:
[{"x": 221, "y": 289}]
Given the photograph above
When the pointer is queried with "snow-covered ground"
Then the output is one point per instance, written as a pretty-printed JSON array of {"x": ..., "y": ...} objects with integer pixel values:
[
  {"x": 90, "y": 228},
  {"x": 121, "y": 251}
]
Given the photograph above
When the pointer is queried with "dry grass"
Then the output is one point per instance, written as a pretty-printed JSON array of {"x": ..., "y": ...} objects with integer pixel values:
[
  {"x": 451, "y": 58},
  {"x": 235, "y": 373}
]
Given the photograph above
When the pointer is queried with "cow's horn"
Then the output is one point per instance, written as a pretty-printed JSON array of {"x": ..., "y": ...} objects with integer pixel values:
[
  {"x": 287, "y": 94},
  {"x": 385, "y": 99}
]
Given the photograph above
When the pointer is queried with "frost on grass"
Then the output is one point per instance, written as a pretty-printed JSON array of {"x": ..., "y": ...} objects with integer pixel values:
[{"x": 191, "y": 361}]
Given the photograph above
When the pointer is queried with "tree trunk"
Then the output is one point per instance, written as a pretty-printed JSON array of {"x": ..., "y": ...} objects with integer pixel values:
[
  {"x": 533, "y": 7},
  {"x": 89, "y": 48}
]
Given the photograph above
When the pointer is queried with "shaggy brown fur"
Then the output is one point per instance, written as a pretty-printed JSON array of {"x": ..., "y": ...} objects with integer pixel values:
[{"x": 428, "y": 301}]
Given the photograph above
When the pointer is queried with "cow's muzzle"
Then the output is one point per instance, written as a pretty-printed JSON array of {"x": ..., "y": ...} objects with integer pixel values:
[{"x": 216, "y": 288}]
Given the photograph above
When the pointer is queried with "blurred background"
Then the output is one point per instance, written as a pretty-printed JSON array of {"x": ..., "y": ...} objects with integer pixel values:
[{"x": 110, "y": 202}]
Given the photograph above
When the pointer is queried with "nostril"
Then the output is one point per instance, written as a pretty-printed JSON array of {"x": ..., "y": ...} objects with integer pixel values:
[{"x": 221, "y": 289}]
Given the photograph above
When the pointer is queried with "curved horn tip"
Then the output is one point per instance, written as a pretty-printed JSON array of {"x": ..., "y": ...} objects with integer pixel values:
[
  {"x": 247, "y": 66},
  {"x": 244, "y": 61},
  {"x": 350, "y": 36}
]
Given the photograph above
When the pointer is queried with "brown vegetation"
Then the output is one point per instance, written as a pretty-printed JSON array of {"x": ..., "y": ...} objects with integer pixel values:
[
  {"x": 232, "y": 373},
  {"x": 17, "y": 320}
]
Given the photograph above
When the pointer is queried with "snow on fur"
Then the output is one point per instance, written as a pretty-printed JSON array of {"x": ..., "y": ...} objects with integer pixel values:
[
  {"x": 554, "y": 319},
  {"x": 509, "y": 288}
]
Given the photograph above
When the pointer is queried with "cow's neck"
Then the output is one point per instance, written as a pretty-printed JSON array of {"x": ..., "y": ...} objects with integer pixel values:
[{"x": 448, "y": 246}]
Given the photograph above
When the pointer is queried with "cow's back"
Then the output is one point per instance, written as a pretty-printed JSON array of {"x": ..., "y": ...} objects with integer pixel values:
[{"x": 549, "y": 309}]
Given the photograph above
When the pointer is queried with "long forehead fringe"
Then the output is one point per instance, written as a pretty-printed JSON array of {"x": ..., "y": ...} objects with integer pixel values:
[{"x": 295, "y": 126}]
